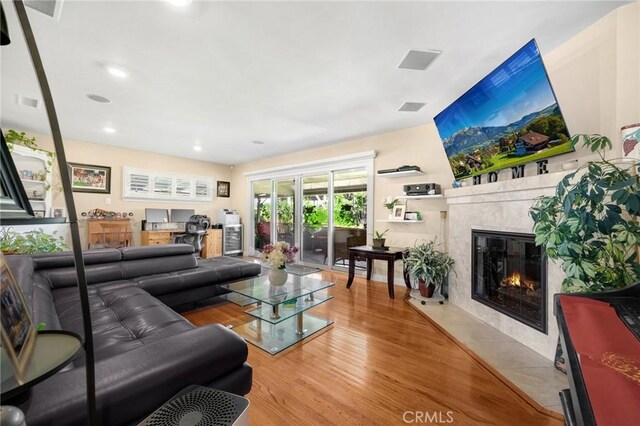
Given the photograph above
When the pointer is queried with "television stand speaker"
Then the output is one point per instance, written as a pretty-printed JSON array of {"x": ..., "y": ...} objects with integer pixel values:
[{"x": 199, "y": 405}]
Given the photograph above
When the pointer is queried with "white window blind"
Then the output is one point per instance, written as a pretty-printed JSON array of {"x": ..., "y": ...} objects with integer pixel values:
[{"x": 150, "y": 184}]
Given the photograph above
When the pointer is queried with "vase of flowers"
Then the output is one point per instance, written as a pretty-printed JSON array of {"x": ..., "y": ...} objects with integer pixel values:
[{"x": 277, "y": 256}]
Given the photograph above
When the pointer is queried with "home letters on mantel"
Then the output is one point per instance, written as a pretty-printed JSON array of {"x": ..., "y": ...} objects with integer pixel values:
[{"x": 517, "y": 172}]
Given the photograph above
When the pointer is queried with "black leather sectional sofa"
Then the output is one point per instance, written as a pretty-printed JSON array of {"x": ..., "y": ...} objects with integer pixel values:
[{"x": 145, "y": 352}]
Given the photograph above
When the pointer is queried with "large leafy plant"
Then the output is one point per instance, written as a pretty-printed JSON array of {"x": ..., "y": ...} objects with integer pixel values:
[
  {"x": 591, "y": 224},
  {"x": 30, "y": 242},
  {"x": 426, "y": 263}
]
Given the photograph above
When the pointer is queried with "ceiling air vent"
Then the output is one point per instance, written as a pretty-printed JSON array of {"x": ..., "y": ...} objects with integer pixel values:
[
  {"x": 28, "y": 102},
  {"x": 51, "y": 8},
  {"x": 419, "y": 60},
  {"x": 411, "y": 106}
]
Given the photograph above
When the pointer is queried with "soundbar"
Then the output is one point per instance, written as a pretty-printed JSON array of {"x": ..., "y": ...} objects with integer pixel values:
[{"x": 422, "y": 189}]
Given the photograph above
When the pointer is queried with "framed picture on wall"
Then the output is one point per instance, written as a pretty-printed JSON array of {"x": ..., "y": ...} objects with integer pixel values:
[
  {"x": 90, "y": 178},
  {"x": 224, "y": 189},
  {"x": 58, "y": 212},
  {"x": 18, "y": 333}
]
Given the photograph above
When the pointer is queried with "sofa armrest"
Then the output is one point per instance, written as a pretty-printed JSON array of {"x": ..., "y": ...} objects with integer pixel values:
[{"x": 131, "y": 385}]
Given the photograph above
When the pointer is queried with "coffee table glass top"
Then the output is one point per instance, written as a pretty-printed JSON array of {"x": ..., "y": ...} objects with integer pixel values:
[{"x": 260, "y": 290}]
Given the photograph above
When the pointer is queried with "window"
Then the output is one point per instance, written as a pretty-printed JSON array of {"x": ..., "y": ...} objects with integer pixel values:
[{"x": 148, "y": 184}]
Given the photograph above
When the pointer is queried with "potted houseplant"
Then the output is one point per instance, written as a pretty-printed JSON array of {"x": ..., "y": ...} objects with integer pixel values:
[
  {"x": 30, "y": 242},
  {"x": 390, "y": 203},
  {"x": 378, "y": 239},
  {"x": 591, "y": 222},
  {"x": 277, "y": 256},
  {"x": 428, "y": 266}
]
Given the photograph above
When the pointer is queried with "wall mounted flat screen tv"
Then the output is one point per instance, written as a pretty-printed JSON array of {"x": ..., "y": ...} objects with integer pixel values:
[{"x": 510, "y": 117}]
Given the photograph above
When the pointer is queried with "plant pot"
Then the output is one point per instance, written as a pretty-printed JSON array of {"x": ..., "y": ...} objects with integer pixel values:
[
  {"x": 278, "y": 276},
  {"x": 426, "y": 290},
  {"x": 378, "y": 242}
]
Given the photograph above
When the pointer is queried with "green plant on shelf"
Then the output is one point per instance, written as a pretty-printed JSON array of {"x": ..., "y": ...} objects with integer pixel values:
[
  {"x": 12, "y": 138},
  {"x": 30, "y": 242}
]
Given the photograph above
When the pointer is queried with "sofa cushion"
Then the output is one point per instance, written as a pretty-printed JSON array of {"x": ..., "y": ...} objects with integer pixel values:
[
  {"x": 123, "y": 317},
  {"x": 163, "y": 250},
  {"x": 67, "y": 277},
  {"x": 36, "y": 291},
  {"x": 230, "y": 268},
  {"x": 158, "y": 265},
  {"x": 65, "y": 259}
]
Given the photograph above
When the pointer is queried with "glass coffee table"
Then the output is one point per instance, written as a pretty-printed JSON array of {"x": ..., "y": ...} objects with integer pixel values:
[{"x": 280, "y": 313}]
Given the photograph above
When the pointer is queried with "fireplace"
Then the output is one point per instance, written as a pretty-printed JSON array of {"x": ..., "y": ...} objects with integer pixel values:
[{"x": 509, "y": 275}]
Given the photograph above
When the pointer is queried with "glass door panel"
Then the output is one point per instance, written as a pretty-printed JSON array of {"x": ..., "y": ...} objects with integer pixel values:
[
  {"x": 315, "y": 219},
  {"x": 261, "y": 213},
  {"x": 349, "y": 213},
  {"x": 285, "y": 210}
]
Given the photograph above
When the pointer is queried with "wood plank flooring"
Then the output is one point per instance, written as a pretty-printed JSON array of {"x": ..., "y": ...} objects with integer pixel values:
[{"x": 381, "y": 363}]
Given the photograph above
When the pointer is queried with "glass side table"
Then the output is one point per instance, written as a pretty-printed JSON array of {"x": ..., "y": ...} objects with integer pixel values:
[{"x": 51, "y": 352}]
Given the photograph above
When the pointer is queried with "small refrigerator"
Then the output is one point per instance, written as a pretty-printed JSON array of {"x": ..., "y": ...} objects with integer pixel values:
[{"x": 232, "y": 240}]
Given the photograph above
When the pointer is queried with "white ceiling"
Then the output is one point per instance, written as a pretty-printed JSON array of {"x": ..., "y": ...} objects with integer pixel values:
[{"x": 295, "y": 75}]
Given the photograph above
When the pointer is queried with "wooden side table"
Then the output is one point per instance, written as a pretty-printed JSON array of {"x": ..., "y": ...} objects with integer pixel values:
[{"x": 370, "y": 254}]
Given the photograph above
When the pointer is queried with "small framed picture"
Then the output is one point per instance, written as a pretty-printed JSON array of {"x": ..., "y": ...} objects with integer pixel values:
[
  {"x": 18, "y": 333},
  {"x": 224, "y": 189},
  {"x": 58, "y": 212},
  {"x": 90, "y": 178},
  {"x": 398, "y": 212}
]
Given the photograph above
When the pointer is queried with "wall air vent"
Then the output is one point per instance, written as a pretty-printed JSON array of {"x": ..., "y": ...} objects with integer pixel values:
[
  {"x": 411, "y": 106},
  {"x": 419, "y": 60},
  {"x": 51, "y": 8},
  {"x": 28, "y": 102}
]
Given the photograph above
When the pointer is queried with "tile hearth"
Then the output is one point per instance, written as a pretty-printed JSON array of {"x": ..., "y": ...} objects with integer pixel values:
[{"x": 526, "y": 369}]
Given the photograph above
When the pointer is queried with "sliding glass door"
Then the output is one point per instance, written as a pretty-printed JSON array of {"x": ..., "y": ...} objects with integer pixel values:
[
  {"x": 285, "y": 223},
  {"x": 349, "y": 213},
  {"x": 322, "y": 213},
  {"x": 315, "y": 219},
  {"x": 261, "y": 212}
]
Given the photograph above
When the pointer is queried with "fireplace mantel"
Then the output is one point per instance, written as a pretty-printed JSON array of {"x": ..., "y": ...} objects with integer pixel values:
[
  {"x": 499, "y": 206},
  {"x": 526, "y": 188}
]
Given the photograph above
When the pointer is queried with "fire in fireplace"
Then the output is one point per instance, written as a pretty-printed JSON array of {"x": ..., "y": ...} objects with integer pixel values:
[{"x": 509, "y": 275}]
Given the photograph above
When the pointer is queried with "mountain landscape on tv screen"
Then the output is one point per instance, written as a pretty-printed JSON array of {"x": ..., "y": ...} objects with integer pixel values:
[{"x": 476, "y": 150}]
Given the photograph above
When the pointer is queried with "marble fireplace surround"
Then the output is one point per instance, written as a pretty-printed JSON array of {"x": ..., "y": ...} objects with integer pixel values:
[{"x": 499, "y": 206}]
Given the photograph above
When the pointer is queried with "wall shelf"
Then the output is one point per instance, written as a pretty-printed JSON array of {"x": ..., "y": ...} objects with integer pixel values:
[
  {"x": 400, "y": 174},
  {"x": 399, "y": 221},
  {"x": 419, "y": 197}
]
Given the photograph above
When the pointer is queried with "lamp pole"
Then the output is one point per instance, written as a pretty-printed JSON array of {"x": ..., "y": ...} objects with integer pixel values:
[{"x": 71, "y": 208}]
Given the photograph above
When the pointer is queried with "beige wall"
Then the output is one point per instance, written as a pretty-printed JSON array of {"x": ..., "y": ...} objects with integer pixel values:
[
  {"x": 419, "y": 146},
  {"x": 117, "y": 158},
  {"x": 596, "y": 77}
]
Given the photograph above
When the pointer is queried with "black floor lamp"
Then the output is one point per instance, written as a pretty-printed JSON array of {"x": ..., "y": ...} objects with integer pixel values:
[{"x": 68, "y": 197}]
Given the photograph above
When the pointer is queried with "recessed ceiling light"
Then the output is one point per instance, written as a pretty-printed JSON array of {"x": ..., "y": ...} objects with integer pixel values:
[
  {"x": 117, "y": 72},
  {"x": 419, "y": 60},
  {"x": 180, "y": 3},
  {"x": 99, "y": 98},
  {"x": 258, "y": 142},
  {"x": 109, "y": 129},
  {"x": 411, "y": 106},
  {"x": 197, "y": 148}
]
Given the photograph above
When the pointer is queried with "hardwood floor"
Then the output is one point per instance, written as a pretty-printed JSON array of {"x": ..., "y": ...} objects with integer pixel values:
[{"x": 381, "y": 363}]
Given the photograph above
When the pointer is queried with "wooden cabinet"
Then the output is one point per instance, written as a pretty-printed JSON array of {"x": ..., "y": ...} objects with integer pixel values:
[
  {"x": 152, "y": 238},
  {"x": 103, "y": 233},
  {"x": 212, "y": 244}
]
